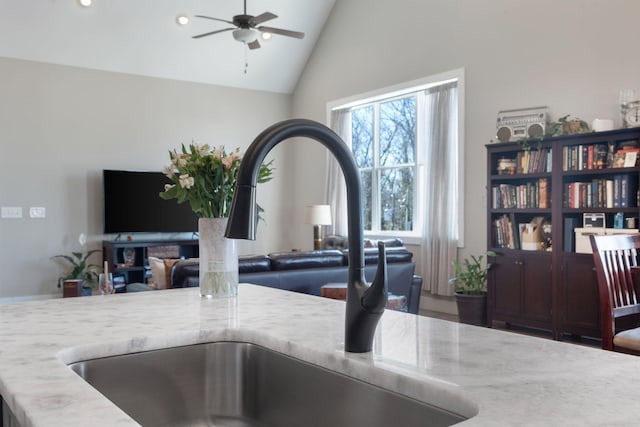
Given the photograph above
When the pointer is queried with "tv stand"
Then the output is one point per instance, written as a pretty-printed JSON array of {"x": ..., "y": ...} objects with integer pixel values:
[{"x": 137, "y": 271}]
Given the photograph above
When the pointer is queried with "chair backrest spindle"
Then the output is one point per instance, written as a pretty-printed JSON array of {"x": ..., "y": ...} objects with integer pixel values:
[{"x": 616, "y": 261}]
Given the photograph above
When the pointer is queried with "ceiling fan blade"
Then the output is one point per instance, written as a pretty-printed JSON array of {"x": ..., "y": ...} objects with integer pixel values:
[
  {"x": 213, "y": 32},
  {"x": 215, "y": 19},
  {"x": 267, "y": 16},
  {"x": 288, "y": 33},
  {"x": 254, "y": 44}
]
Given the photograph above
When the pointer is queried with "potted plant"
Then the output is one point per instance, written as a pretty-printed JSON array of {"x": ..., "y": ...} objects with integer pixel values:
[
  {"x": 82, "y": 275},
  {"x": 567, "y": 126},
  {"x": 470, "y": 286},
  {"x": 205, "y": 177}
]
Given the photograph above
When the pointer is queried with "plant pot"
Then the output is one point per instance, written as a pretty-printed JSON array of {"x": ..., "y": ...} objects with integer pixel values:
[
  {"x": 472, "y": 309},
  {"x": 72, "y": 288}
]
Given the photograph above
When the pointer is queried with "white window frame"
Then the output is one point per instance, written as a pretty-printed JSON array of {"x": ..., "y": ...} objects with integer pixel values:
[{"x": 395, "y": 91}]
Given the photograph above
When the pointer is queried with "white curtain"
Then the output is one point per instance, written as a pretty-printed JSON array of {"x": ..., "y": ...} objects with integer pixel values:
[
  {"x": 440, "y": 221},
  {"x": 336, "y": 190}
]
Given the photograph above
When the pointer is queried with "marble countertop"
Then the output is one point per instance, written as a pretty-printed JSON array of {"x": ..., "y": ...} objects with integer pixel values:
[{"x": 497, "y": 378}]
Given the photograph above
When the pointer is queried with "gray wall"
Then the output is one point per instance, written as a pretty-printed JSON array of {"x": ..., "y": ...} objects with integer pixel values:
[
  {"x": 60, "y": 126},
  {"x": 570, "y": 55}
]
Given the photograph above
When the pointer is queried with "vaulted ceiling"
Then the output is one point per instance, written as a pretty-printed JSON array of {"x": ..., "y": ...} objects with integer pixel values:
[{"x": 143, "y": 37}]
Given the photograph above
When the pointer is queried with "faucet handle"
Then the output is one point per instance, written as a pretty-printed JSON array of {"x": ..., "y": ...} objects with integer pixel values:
[{"x": 374, "y": 299}]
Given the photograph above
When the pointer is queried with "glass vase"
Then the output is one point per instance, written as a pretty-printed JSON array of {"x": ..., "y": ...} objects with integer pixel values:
[{"x": 218, "y": 259}]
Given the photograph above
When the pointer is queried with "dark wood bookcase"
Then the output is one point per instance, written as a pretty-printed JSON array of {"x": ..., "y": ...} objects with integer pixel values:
[
  {"x": 113, "y": 252},
  {"x": 553, "y": 183}
]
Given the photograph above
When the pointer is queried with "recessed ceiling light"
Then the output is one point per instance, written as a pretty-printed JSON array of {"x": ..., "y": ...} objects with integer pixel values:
[
  {"x": 266, "y": 36},
  {"x": 182, "y": 19},
  {"x": 85, "y": 3}
]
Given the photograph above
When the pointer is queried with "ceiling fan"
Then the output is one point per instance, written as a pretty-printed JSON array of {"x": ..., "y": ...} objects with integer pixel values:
[{"x": 245, "y": 28}]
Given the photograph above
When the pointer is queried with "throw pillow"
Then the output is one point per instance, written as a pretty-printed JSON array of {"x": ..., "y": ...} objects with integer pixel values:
[
  {"x": 158, "y": 272},
  {"x": 168, "y": 265},
  {"x": 161, "y": 271}
]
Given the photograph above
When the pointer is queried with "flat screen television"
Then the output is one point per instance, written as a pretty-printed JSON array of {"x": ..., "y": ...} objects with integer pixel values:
[{"x": 132, "y": 205}]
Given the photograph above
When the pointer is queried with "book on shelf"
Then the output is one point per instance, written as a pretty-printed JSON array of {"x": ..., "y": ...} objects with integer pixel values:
[
  {"x": 533, "y": 194},
  {"x": 593, "y": 156},
  {"x": 505, "y": 232},
  {"x": 570, "y": 225},
  {"x": 533, "y": 161},
  {"x": 613, "y": 192}
]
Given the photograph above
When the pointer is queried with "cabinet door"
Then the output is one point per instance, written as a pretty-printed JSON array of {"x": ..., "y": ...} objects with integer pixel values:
[
  {"x": 580, "y": 299},
  {"x": 505, "y": 293},
  {"x": 537, "y": 288}
]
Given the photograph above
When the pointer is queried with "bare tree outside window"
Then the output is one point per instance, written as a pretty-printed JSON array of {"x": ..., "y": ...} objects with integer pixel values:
[{"x": 384, "y": 145}]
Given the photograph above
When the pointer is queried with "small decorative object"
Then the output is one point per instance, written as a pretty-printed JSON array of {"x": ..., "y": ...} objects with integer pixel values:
[
  {"x": 506, "y": 166},
  {"x": 318, "y": 215},
  {"x": 206, "y": 177},
  {"x": 631, "y": 114},
  {"x": 567, "y": 126},
  {"x": 512, "y": 125},
  {"x": 629, "y": 106},
  {"x": 82, "y": 275},
  {"x": 129, "y": 255},
  {"x": 601, "y": 125},
  {"x": 618, "y": 220},
  {"x": 470, "y": 284},
  {"x": 105, "y": 283}
]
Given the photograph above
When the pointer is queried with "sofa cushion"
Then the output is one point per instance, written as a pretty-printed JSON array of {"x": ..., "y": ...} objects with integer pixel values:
[
  {"x": 334, "y": 242},
  {"x": 394, "y": 255},
  {"x": 184, "y": 271},
  {"x": 306, "y": 259},
  {"x": 253, "y": 264},
  {"x": 389, "y": 243}
]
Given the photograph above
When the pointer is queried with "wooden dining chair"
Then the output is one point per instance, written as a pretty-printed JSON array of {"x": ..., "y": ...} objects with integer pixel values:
[{"x": 617, "y": 259}]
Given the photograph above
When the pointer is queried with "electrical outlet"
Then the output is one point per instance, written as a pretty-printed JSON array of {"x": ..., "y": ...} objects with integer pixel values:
[
  {"x": 11, "y": 212},
  {"x": 37, "y": 212}
]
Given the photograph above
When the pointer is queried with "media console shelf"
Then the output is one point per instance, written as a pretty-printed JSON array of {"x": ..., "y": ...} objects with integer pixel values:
[{"x": 113, "y": 251}]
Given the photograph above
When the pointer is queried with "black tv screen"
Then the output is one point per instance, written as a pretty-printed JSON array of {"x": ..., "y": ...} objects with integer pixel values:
[{"x": 132, "y": 204}]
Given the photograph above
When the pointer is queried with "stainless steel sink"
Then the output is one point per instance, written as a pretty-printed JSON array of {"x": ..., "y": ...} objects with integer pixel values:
[{"x": 240, "y": 384}]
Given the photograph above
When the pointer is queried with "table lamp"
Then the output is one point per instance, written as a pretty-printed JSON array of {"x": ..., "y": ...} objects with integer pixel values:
[{"x": 318, "y": 215}]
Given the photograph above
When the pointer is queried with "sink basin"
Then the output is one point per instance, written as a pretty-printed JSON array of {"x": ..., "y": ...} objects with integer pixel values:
[{"x": 240, "y": 384}]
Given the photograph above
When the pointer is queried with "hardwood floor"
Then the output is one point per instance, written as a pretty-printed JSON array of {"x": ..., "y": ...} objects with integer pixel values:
[{"x": 574, "y": 339}]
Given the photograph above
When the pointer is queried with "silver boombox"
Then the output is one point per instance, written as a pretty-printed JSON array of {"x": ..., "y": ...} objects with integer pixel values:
[{"x": 513, "y": 125}]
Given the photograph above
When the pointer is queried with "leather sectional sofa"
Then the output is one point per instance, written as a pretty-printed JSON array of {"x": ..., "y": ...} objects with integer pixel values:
[{"x": 307, "y": 272}]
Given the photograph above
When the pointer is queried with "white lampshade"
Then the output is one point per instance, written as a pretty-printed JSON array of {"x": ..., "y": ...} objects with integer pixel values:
[{"x": 318, "y": 215}]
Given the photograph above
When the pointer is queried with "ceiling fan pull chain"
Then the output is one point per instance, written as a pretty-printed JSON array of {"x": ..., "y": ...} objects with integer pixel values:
[{"x": 246, "y": 57}]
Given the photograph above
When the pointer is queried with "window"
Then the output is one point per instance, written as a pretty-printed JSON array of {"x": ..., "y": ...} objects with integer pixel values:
[
  {"x": 393, "y": 141},
  {"x": 383, "y": 136}
]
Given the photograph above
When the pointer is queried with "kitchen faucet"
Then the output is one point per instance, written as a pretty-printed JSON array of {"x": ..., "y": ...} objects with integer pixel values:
[{"x": 365, "y": 304}]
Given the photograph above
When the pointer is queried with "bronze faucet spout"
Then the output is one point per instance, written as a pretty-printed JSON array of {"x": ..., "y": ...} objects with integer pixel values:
[{"x": 365, "y": 304}]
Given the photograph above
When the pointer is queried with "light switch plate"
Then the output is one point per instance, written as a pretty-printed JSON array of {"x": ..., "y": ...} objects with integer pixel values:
[
  {"x": 11, "y": 212},
  {"x": 37, "y": 212}
]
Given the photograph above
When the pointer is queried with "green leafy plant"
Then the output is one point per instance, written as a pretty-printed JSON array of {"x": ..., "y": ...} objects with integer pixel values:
[
  {"x": 206, "y": 177},
  {"x": 471, "y": 276},
  {"x": 567, "y": 126},
  {"x": 80, "y": 267}
]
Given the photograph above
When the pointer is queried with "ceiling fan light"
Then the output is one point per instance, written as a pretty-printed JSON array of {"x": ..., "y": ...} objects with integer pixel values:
[
  {"x": 85, "y": 3},
  {"x": 182, "y": 19},
  {"x": 245, "y": 35},
  {"x": 266, "y": 35}
]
